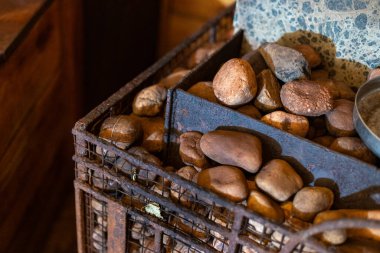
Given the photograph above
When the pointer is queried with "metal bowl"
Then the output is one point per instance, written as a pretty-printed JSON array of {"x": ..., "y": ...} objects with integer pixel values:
[{"x": 367, "y": 135}]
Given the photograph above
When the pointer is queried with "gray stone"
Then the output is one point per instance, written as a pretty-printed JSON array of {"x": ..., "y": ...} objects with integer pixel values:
[
  {"x": 344, "y": 32},
  {"x": 286, "y": 63}
]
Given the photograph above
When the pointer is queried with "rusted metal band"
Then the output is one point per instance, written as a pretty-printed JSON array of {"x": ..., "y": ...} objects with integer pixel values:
[
  {"x": 80, "y": 218},
  {"x": 116, "y": 228}
]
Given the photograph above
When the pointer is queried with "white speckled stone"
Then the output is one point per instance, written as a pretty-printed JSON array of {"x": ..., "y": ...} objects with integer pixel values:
[{"x": 345, "y": 32}]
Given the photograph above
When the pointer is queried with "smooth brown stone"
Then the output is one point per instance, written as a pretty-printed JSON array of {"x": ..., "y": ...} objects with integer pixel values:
[
  {"x": 202, "y": 53},
  {"x": 319, "y": 74},
  {"x": 312, "y": 57},
  {"x": 235, "y": 83},
  {"x": 268, "y": 95},
  {"x": 153, "y": 133},
  {"x": 345, "y": 91},
  {"x": 353, "y": 146},
  {"x": 149, "y": 101},
  {"x": 279, "y": 180},
  {"x": 173, "y": 79},
  {"x": 287, "y": 207},
  {"x": 329, "y": 84},
  {"x": 98, "y": 206},
  {"x": 199, "y": 231},
  {"x": 226, "y": 181},
  {"x": 339, "y": 121},
  {"x": 286, "y": 63},
  {"x": 338, "y": 89},
  {"x": 135, "y": 172},
  {"x": 98, "y": 235},
  {"x": 103, "y": 182},
  {"x": 203, "y": 90},
  {"x": 122, "y": 128},
  {"x": 190, "y": 150},
  {"x": 250, "y": 111},
  {"x": 324, "y": 140},
  {"x": 177, "y": 192},
  {"x": 266, "y": 207},
  {"x": 335, "y": 236},
  {"x": 233, "y": 148},
  {"x": 306, "y": 98},
  {"x": 368, "y": 233},
  {"x": 359, "y": 246},
  {"x": 311, "y": 200},
  {"x": 147, "y": 244},
  {"x": 294, "y": 124}
]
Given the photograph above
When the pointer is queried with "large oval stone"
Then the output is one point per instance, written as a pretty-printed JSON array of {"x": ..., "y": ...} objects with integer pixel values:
[
  {"x": 306, "y": 98},
  {"x": 233, "y": 148},
  {"x": 309, "y": 201},
  {"x": 226, "y": 181},
  {"x": 266, "y": 207},
  {"x": 235, "y": 83},
  {"x": 279, "y": 180}
]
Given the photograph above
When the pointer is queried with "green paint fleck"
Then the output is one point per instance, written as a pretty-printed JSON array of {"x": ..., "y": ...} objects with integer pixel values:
[{"x": 154, "y": 209}]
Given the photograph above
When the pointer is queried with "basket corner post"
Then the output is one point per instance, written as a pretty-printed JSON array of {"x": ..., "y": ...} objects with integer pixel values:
[{"x": 117, "y": 228}]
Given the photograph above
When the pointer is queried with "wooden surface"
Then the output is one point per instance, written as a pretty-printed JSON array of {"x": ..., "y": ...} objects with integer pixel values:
[
  {"x": 181, "y": 18},
  {"x": 40, "y": 90},
  {"x": 16, "y": 18}
]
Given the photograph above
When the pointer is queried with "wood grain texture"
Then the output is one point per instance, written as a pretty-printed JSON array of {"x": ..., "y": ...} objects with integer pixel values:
[
  {"x": 16, "y": 18},
  {"x": 40, "y": 88},
  {"x": 32, "y": 68}
]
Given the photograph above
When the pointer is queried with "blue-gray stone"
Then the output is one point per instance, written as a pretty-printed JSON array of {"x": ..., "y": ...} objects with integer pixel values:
[
  {"x": 360, "y": 5},
  {"x": 301, "y": 22},
  {"x": 337, "y": 29},
  {"x": 286, "y": 63},
  {"x": 361, "y": 21},
  {"x": 339, "y": 5},
  {"x": 306, "y": 7}
]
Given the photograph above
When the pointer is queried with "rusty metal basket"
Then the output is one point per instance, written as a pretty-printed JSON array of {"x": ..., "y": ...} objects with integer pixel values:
[
  {"x": 132, "y": 212},
  {"x": 215, "y": 30}
]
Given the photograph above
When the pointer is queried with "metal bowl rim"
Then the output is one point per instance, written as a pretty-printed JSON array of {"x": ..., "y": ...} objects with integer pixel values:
[{"x": 356, "y": 103}]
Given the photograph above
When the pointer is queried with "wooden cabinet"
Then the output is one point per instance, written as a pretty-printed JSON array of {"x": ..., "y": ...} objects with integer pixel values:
[{"x": 39, "y": 93}]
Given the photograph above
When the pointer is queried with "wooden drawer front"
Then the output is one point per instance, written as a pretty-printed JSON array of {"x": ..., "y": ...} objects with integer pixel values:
[{"x": 27, "y": 74}]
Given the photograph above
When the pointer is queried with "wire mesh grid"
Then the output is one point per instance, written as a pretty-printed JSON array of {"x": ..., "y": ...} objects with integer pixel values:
[
  {"x": 145, "y": 232},
  {"x": 187, "y": 211},
  {"x": 95, "y": 224}
]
